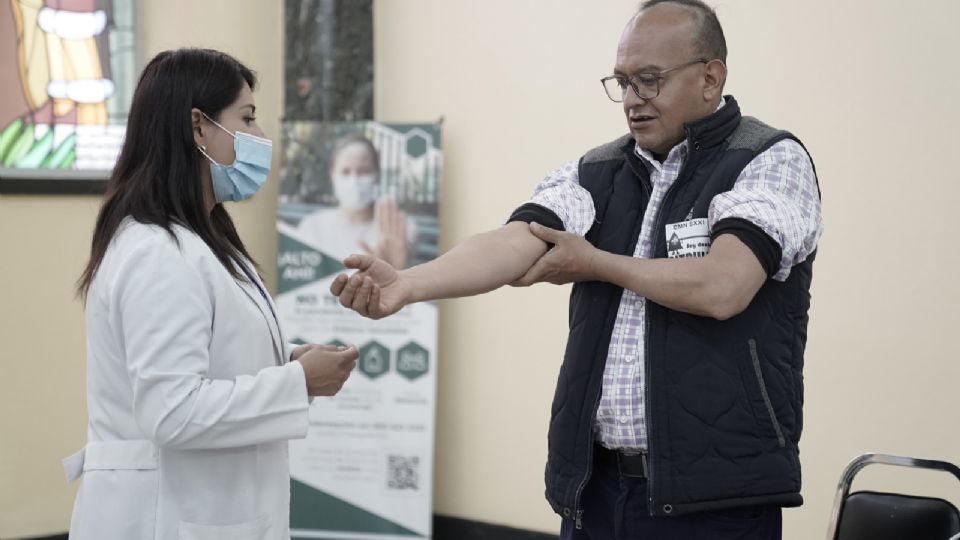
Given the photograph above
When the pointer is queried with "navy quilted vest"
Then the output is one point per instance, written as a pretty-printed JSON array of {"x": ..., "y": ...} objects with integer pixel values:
[{"x": 723, "y": 398}]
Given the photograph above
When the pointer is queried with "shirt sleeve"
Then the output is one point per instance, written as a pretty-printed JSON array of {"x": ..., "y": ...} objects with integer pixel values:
[
  {"x": 778, "y": 193},
  {"x": 560, "y": 197}
]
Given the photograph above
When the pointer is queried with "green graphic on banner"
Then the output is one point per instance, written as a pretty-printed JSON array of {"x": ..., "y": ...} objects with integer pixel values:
[
  {"x": 417, "y": 145},
  {"x": 299, "y": 264},
  {"x": 312, "y": 509},
  {"x": 413, "y": 361},
  {"x": 374, "y": 360}
]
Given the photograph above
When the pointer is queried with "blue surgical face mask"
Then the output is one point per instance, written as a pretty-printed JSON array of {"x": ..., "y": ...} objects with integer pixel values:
[{"x": 248, "y": 172}]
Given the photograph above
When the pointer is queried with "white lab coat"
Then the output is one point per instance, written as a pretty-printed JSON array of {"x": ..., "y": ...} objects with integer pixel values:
[{"x": 190, "y": 396}]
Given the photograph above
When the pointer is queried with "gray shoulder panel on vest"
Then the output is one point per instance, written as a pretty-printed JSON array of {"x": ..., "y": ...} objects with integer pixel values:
[
  {"x": 752, "y": 134},
  {"x": 608, "y": 152}
]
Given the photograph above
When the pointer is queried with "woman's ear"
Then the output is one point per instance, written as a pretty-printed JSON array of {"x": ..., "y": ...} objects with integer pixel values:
[{"x": 196, "y": 121}]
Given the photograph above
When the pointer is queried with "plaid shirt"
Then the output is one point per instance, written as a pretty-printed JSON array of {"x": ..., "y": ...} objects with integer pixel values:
[{"x": 777, "y": 192}]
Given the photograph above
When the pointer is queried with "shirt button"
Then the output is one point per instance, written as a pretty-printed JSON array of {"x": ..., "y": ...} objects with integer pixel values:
[
  {"x": 628, "y": 359},
  {"x": 624, "y": 419}
]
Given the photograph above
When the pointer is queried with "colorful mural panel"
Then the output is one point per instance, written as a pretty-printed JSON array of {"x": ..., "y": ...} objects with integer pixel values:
[{"x": 67, "y": 77}]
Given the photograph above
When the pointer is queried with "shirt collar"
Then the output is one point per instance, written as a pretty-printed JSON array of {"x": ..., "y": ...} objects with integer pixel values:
[{"x": 677, "y": 152}]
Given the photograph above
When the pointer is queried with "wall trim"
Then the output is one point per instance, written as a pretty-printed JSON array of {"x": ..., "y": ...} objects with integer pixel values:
[{"x": 452, "y": 528}]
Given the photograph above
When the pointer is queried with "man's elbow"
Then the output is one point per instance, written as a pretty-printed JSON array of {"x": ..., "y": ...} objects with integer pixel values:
[{"x": 728, "y": 304}]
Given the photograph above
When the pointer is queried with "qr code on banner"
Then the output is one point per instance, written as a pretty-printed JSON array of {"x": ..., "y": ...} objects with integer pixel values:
[{"x": 403, "y": 472}]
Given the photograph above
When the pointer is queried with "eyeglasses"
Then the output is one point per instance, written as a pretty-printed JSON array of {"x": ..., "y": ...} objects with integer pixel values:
[{"x": 645, "y": 85}]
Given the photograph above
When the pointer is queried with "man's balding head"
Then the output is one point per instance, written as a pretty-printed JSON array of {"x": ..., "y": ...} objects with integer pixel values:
[
  {"x": 708, "y": 40},
  {"x": 663, "y": 42}
]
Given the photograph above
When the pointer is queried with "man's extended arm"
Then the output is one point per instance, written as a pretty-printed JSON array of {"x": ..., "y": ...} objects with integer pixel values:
[
  {"x": 480, "y": 264},
  {"x": 719, "y": 285}
]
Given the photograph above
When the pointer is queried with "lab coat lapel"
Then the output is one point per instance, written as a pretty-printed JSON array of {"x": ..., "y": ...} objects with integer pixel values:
[{"x": 267, "y": 309}]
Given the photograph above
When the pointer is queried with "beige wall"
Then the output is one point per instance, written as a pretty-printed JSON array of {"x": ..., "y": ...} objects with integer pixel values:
[{"x": 868, "y": 86}]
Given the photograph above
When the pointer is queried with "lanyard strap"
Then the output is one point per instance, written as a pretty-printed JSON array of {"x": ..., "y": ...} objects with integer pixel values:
[{"x": 262, "y": 293}]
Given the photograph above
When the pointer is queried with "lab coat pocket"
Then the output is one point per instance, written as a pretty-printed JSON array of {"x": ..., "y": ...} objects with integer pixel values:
[{"x": 258, "y": 529}]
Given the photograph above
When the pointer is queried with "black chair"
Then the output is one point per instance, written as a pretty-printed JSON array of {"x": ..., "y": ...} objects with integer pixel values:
[{"x": 873, "y": 515}]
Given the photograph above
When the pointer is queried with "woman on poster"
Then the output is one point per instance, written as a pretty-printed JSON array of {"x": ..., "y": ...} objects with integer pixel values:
[{"x": 365, "y": 219}]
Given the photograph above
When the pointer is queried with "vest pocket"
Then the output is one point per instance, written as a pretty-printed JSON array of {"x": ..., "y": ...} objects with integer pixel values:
[{"x": 758, "y": 374}]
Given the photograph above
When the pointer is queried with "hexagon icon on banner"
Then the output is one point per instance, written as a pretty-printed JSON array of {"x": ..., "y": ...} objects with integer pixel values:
[
  {"x": 374, "y": 360},
  {"x": 413, "y": 361},
  {"x": 417, "y": 143}
]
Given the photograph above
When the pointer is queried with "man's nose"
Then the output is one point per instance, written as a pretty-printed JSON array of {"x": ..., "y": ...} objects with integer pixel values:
[{"x": 631, "y": 99}]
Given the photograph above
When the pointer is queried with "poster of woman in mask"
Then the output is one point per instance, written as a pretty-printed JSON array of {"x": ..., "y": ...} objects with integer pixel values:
[
  {"x": 366, "y": 218},
  {"x": 365, "y": 468},
  {"x": 362, "y": 187}
]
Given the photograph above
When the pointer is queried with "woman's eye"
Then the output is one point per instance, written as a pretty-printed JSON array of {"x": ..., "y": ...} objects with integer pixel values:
[{"x": 249, "y": 120}]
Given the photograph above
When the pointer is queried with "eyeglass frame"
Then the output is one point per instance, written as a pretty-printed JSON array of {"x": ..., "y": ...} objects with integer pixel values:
[{"x": 659, "y": 77}]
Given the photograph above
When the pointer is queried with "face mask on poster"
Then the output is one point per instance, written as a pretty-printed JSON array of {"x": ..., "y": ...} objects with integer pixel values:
[{"x": 355, "y": 192}]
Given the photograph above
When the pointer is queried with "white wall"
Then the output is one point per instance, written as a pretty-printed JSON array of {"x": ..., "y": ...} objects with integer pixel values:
[{"x": 869, "y": 86}]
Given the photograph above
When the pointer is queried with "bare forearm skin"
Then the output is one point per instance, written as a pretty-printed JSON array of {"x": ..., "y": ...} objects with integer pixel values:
[{"x": 482, "y": 263}]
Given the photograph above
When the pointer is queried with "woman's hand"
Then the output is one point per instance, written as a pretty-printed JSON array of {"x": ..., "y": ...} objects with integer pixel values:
[
  {"x": 326, "y": 367},
  {"x": 300, "y": 350}
]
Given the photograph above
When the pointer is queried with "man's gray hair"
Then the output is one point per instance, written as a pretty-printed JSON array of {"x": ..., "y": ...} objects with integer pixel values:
[{"x": 710, "y": 40}]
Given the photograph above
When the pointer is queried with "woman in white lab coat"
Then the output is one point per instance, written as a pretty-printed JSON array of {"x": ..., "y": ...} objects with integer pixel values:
[{"x": 191, "y": 392}]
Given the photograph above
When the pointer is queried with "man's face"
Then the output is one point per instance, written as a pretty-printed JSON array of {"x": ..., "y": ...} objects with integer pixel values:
[{"x": 659, "y": 38}]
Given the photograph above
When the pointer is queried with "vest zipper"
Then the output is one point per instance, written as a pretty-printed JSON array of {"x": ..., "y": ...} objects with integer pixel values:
[
  {"x": 651, "y": 503},
  {"x": 655, "y": 238},
  {"x": 578, "y": 512}
]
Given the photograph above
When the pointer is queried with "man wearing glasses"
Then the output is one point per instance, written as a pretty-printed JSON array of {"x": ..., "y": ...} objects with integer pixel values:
[{"x": 690, "y": 242}]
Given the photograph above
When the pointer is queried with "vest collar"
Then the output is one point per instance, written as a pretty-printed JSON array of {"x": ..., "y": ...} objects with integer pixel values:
[
  {"x": 707, "y": 132},
  {"x": 715, "y": 128}
]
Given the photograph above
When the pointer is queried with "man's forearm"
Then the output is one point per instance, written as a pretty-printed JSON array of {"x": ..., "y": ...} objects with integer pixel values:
[{"x": 480, "y": 264}]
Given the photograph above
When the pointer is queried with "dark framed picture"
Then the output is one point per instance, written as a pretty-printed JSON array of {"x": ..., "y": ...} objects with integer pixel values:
[{"x": 67, "y": 74}]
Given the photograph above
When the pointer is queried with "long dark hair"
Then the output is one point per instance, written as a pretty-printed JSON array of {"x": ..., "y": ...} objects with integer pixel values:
[{"x": 157, "y": 177}]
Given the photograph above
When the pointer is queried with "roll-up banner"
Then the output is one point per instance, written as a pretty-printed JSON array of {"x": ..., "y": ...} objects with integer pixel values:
[{"x": 365, "y": 469}]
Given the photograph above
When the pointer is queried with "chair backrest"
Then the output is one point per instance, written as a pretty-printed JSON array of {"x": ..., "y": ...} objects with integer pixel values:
[{"x": 892, "y": 516}]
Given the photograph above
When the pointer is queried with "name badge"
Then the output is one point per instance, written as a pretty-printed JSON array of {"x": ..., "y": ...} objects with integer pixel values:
[{"x": 688, "y": 239}]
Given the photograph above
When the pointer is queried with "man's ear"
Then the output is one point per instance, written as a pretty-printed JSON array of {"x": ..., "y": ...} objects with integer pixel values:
[
  {"x": 196, "y": 121},
  {"x": 715, "y": 75}
]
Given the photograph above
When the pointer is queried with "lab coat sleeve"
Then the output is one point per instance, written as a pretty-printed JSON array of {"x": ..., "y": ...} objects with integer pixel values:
[{"x": 166, "y": 311}]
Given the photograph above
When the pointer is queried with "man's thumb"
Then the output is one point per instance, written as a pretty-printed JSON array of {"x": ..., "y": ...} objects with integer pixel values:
[
  {"x": 358, "y": 262},
  {"x": 544, "y": 233}
]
